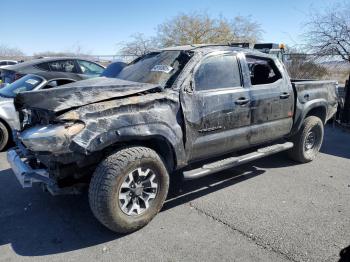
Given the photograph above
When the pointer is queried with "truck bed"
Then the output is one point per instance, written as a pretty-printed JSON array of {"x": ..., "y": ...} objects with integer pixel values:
[{"x": 310, "y": 90}]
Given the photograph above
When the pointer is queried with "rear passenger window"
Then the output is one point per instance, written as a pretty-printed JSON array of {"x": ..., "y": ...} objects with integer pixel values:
[
  {"x": 262, "y": 70},
  {"x": 217, "y": 72},
  {"x": 62, "y": 66}
]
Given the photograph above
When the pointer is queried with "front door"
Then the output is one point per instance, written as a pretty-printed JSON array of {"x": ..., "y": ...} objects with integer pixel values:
[{"x": 216, "y": 109}]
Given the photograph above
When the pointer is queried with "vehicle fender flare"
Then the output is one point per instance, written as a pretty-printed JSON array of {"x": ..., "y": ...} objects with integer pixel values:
[
  {"x": 134, "y": 133},
  {"x": 305, "y": 108}
]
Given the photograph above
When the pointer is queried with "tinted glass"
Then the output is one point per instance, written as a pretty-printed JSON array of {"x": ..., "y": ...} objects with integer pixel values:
[
  {"x": 44, "y": 66},
  {"x": 217, "y": 72},
  {"x": 3, "y": 63},
  {"x": 26, "y": 83},
  {"x": 89, "y": 68},
  {"x": 62, "y": 66},
  {"x": 11, "y": 63}
]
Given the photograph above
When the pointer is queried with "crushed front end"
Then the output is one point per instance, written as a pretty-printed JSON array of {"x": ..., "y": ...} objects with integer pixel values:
[{"x": 42, "y": 154}]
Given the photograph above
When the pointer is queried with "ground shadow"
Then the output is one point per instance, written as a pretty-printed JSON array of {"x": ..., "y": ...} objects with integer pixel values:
[
  {"x": 37, "y": 224},
  {"x": 336, "y": 142}
]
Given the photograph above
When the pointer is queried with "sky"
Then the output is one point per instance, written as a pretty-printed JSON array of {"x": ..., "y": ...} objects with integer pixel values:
[{"x": 98, "y": 26}]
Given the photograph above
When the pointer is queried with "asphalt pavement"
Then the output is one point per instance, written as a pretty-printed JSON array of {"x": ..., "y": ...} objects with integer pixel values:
[{"x": 270, "y": 210}]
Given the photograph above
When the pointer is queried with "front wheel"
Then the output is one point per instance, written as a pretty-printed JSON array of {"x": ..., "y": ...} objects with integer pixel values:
[
  {"x": 308, "y": 140},
  {"x": 128, "y": 189}
]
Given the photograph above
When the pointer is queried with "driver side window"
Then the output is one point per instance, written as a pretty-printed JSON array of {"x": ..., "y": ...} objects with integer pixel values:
[{"x": 217, "y": 72}]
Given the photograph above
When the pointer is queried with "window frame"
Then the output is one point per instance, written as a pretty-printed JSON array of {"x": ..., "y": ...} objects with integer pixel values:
[
  {"x": 234, "y": 55},
  {"x": 276, "y": 66},
  {"x": 75, "y": 69},
  {"x": 56, "y": 79}
]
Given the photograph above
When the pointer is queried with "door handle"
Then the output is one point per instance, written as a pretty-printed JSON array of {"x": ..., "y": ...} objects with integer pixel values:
[
  {"x": 242, "y": 101},
  {"x": 284, "y": 95}
]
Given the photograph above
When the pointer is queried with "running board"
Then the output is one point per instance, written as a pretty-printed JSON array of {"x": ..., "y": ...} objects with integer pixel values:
[{"x": 226, "y": 163}]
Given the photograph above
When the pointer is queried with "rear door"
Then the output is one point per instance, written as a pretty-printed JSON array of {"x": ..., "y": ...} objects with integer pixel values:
[
  {"x": 217, "y": 108},
  {"x": 272, "y": 100}
]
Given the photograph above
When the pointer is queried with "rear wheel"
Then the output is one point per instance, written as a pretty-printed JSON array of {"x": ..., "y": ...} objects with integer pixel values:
[
  {"x": 128, "y": 189},
  {"x": 308, "y": 141},
  {"x": 4, "y": 136}
]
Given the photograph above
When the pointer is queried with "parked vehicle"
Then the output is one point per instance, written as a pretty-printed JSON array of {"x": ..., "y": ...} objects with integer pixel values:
[
  {"x": 8, "y": 115},
  {"x": 178, "y": 109},
  {"x": 113, "y": 69},
  {"x": 70, "y": 65},
  {"x": 4, "y": 63}
]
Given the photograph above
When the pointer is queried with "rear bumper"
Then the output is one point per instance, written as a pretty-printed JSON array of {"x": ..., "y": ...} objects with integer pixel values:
[{"x": 24, "y": 173}]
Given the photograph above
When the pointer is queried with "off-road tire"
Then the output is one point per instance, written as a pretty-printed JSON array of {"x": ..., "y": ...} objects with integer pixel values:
[
  {"x": 106, "y": 183},
  {"x": 4, "y": 136},
  {"x": 299, "y": 152}
]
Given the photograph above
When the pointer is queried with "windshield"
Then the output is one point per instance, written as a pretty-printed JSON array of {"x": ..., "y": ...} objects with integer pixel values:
[
  {"x": 26, "y": 83},
  {"x": 155, "y": 68}
]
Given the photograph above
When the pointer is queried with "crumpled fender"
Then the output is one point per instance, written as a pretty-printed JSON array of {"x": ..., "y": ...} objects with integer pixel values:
[{"x": 129, "y": 119}]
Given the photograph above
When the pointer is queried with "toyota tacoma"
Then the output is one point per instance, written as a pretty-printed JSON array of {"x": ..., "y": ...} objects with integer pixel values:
[{"x": 188, "y": 111}]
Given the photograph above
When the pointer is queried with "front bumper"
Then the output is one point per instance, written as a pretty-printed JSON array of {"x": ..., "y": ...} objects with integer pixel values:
[{"x": 25, "y": 174}]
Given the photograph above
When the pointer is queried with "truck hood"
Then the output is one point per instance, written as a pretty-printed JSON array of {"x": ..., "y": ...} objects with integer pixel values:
[{"x": 81, "y": 93}]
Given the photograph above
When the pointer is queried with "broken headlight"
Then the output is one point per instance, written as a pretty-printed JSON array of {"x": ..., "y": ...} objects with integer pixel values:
[{"x": 50, "y": 138}]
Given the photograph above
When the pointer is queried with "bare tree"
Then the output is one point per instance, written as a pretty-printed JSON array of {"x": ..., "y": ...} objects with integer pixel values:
[
  {"x": 10, "y": 52},
  {"x": 303, "y": 66},
  {"x": 198, "y": 28},
  {"x": 328, "y": 32},
  {"x": 138, "y": 46},
  {"x": 194, "y": 28}
]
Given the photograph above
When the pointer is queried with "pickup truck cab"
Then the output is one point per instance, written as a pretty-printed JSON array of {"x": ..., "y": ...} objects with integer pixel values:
[{"x": 170, "y": 112}]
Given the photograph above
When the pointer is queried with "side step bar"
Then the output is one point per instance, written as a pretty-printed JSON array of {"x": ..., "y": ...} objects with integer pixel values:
[{"x": 226, "y": 163}]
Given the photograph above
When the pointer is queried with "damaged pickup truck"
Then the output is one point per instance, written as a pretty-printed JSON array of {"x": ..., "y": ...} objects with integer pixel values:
[{"x": 177, "y": 111}]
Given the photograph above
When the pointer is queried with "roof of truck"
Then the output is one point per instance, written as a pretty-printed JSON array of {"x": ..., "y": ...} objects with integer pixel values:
[{"x": 214, "y": 47}]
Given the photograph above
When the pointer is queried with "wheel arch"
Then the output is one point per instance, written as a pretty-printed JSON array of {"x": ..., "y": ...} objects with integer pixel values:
[
  {"x": 317, "y": 107},
  {"x": 320, "y": 111},
  {"x": 158, "y": 143}
]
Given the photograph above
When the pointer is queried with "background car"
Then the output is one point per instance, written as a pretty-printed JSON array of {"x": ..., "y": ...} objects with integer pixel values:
[
  {"x": 42, "y": 80},
  {"x": 7, "y": 62},
  {"x": 69, "y": 65},
  {"x": 113, "y": 69}
]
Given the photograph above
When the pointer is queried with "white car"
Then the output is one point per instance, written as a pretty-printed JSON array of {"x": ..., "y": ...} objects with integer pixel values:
[{"x": 4, "y": 63}]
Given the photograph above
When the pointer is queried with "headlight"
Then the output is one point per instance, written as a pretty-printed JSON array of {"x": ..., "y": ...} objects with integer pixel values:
[{"x": 51, "y": 138}]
